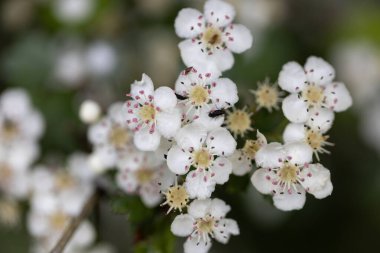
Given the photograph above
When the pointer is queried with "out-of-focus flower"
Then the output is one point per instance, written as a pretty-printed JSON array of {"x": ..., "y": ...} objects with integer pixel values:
[
  {"x": 16, "y": 14},
  {"x": 211, "y": 37},
  {"x": 89, "y": 111},
  {"x": 286, "y": 173},
  {"x": 70, "y": 67},
  {"x": 101, "y": 58},
  {"x": 205, "y": 220},
  {"x": 73, "y": 11},
  {"x": 10, "y": 212},
  {"x": 370, "y": 125}
]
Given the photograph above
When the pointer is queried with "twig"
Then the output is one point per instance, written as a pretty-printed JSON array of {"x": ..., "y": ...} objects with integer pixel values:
[{"x": 74, "y": 224}]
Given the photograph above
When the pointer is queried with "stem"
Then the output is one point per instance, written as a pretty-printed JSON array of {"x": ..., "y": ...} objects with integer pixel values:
[{"x": 74, "y": 224}]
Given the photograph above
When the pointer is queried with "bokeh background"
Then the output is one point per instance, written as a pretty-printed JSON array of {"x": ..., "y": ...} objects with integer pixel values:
[{"x": 65, "y": 51}]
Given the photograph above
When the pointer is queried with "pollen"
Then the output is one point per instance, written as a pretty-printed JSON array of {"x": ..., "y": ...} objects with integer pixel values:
[
  {"x": 317, "y": 142},
  {"x": 238, "y": 121},
  {"x": 288, "y": 174},
  {"x": 58, "y": 220},
  {"x": 313, "y": 95},
  {"x": 176, "y": 197},
  {"x": 251, "y": 147},
  {"x": 64, "y": 181},
  {"x": 118, "y": 137},
  {"x": 198, "y": 95},
  {"x": 144, "y": 176},
  {"x": 212, "y": 36},
  {"x": 9, "y": 130},
  {"x": 147, "y": 113},
  {"x": 267, "y": 95},
  {"x": 202, "y": 158}
]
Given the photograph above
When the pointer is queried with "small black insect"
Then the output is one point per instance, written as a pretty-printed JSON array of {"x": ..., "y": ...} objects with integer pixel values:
[
  {"x": 216, "y": 113},
  {"x": 188, "y": 70},
  {"x": 180, "y": 97}
]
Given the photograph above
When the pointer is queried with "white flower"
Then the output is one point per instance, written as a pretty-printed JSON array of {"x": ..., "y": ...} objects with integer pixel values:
[
  {"x": 241, "y": 159},
  {"x": 144, "y": 174},
  {"x": 284, "y": 172},
  {"x": 73, "y": 11},
  {"x": 10, "y": 212},
  {"x": 89, "y": 111},
  {"x": 206, "y": 152},
  {"x": 100, "y": 58},
  {"x": 152, "y": 114},
  {"x": 312, "y": 87},
  {"x": 204, "y": 92},
  {"x": 205, "y": 220},
  {"x": 315, "y": 138},
  {"x": 211, "y": 37},
  {"x": 110, "y": 137},
  {"x": 70, "y": 67}
]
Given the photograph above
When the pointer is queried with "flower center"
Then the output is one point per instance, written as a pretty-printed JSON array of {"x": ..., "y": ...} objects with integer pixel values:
[
  {"x": 267, "y": 96},
  {"x": 144, "y": 176},
  {"x": 5, "y": 173},
  {"x": 64, "y": 181},
  {"x": 288, "y": 174},
  {"x": 176, "y": 197},
  {"x": 202, "y": 158},
  {"x": 9, "y": 130},
  {"x": 204, "y": 227},
  {"x": 9, "y": 212},
  {"x": 317, "y": 142},
  {"x": 147, "y": 112},
  {"x": 313, "y": 94},
  {"x": 198, "y": 95},
  {"x": 239, "y": 122},
  {"x": 251, "y": 147},
  {"x": 212, "y": 36},
  {"x": 58, "y": 220},
  {"x": 118, "y": 137}
]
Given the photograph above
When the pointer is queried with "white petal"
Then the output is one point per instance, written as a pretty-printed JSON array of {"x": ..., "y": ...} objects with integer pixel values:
[
  {"x": 298, "y": 152},
  {"x": 178, "y": 160},
  {"x": 225, "y": 229},
  {"x": 169, "y": 122},
  {"x": 270, "y": 156},
  {"x": 191, "y": 136},
  {"x": 220, "y": 142},
  {"x": 223, "y": 59},
  {"x": 151, "y": 197},
  {"x": 193, "y": 246},
  {"x": 127, "y": 181},
  {"x": 164, "y": 98},
  {"x": 209, "y": 123},
  {"x": 294, "y": 132},
  {"x": 224, "y": 93},
  {"x": 241, "y": 164},
  {"x": 182, "y": 225},
  {"x": 290, "y": 201},
  {"x": 219, "y": 13},
  {"x": 98, "y": 133},
  {"x": 15, "y": 103},
  {"x": 261, "y": 138},
  {"x": 319, "y": 71},
  {"x": 261, "y": 180},
  {"x": 142, "y": 89},
  {"x": 295, "y": 109},
  {"x": 84, "y": 235},
  {"x": 316, "y": 180},
  {"x": 320, "y": 119},
  {"x": 198, "y": 185},
  {"x": 189, "y": 23},
  {"x": 33, "y": 125},
  {"x": 292, "y": 77},
  {"x": 199, "y": 208},
  {"x": 146, "y": 141},
  {"x": 219, "y": 208},
  {"x": 338, "y": 98},
  {"x": 238, "y": 38},
  {"x": 222, "y": 168},
  {"x": 117, "y": 113}
]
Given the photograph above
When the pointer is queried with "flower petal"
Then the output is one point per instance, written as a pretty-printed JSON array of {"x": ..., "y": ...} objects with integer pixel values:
[
  {"x": 151, "y": 197},
  {"x": 241, "y": 164},
  {"x": 224, "y": 93},
  {"x": 146, "y": 141},
  {"x": 271, "y": 155},
  {"x": 316, "y": 180},
  {"x": 193, "y": 246},
  {"x": 290, "y": 201},
  {"x": 164, "y": 98},
  {"x": 182, "y": 225},
  {"x": 320, "y": 119},
  {"x": 178, "y": 160},
  {"x": 127, "y": 181},
  {"x": 141, "y": 90},
  {"x": 191, "y": 137},
  {"x": 225, "y": 229},
  {"x": 219, "y": 208},
  {"x": 222, "y": 59},
  {"x": 168, "y": 122},
  {"x": 292, "y": 77},
  {"x": 189, "y": 23},
  {"x": 298, "y": 152},
  {"x": 338, "y": 98},
  {"x": 220, "y": 142},
  {"x": 237, "y": 38},
  {"x": 219, "y": 13},
  {"x": 198, "y": 185},
  {"x": 294, "y": 132},
  {"x": 199, "y": 208},
  {"x": 209, "y": 123},
  {"x": 295, "y": 109},
  {"x": 319, "y": 71},
  {"x": 261, "y": 180},
  {"x": 222, "y": 168}
]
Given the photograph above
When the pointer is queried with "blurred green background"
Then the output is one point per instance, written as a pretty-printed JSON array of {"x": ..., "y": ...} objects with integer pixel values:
[{"x": 137, "y": 36}]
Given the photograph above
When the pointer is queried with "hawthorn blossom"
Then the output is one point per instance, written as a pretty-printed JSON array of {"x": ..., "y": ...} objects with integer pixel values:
[
  {"x": 267, "y": 95},
  {"x": 205, "y": 93},
  {"x": 207, "y": 152},
  {"x": 204, "y": 221},
  {"x": 285, "y": 173},
  {"x": 211, "y": 37},
  {"x": 239, "y": 122},
  {"x": 144, "y": 174},
  {"x": 312, "y": 87},
  {"x": 241, "y": 159},
  {"x": 152, "y": 114}
]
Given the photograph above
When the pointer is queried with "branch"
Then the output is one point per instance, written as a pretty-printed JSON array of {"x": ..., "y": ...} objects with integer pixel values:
[{"x": 74, "y": 224}]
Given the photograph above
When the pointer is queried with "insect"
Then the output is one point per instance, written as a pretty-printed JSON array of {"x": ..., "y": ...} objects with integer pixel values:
[
  {"x": 180, "y": 97},
  {"x": 216, "y": 113}
]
